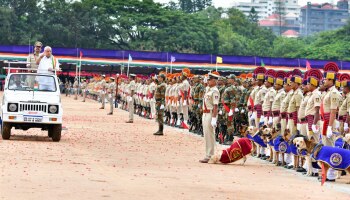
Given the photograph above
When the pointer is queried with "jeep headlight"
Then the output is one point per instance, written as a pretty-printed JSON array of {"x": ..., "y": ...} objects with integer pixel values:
[
  {"x": 12, "y": 107},
  {"x": 53, "y": 109}
]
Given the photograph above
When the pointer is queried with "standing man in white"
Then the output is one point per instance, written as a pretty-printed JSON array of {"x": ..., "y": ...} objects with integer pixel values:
[{"x": 48, "y": 64}]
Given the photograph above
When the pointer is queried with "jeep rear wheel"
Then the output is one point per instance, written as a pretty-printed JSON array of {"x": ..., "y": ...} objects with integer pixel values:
[
  {"x": 6, "y": 131},
  {"x": 55, "y": 132}
]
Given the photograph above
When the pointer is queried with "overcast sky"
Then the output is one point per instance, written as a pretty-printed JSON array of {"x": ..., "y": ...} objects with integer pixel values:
[{"x": 228, "y": 3}]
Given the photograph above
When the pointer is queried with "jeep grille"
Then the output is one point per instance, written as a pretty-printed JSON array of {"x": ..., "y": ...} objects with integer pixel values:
[{"x": 33, "y": 107}]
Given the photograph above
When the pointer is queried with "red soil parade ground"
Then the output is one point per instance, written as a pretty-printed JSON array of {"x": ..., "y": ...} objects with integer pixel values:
[{"x": 102, "y": 157}]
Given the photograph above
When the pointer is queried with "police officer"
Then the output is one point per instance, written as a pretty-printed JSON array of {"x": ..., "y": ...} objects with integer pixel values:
[
  {"x": 160, "y": 103},
  {"x": 102, "y": 85},
  {"x": 111, "y": 94},
  {"x": 75, "y": 88},
  {"x": 328, "y": 110},
  {"x": 83, "y": 89},
  {"x": 209, "y": 119},
  {"x": 130, "y": 98}
]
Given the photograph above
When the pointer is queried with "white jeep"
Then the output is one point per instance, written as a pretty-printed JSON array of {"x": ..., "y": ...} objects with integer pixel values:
[{"x": 31, "y": 100}]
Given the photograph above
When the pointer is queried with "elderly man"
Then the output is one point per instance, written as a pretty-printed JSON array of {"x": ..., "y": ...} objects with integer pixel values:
[{"x": 47, "y": 65}]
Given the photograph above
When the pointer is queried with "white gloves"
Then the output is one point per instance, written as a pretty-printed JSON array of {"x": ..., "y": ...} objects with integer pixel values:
[
  {"x": 205, "y": 80},
  {"x": 185, "y": 103},
  {"x": 346, "y": 127},
  {"x": 129, "y": 99},
  {"x": 199, "y": 106},
  {"x": 109, "y": 95},
  {"x": 144, "y": 99},
  {"x": 262, "y": 119},
  {"x": 314, "y": 128},
  {"x": 270, "y": 120},
  {"x": 329, "y": 131},
  {"x": 236, "y": 110},
  {"x": 220, "y": 112},
  {"x": 252, "y": 117},
  {"x": 298, "y": 127},
  {"x": 173, "y": 104},
  {"x": 162, "y": 107},
  {"x": 337, "y": 124},
  {"x": 230, "y": 113},
  {"x": 213, "y": 122},
  {"x": 242, "y": 111},
  {"x": 178, "y": 103}
]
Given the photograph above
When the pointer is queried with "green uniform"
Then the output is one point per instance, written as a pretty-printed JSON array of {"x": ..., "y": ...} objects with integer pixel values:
[{"x": 160, "y": 103}]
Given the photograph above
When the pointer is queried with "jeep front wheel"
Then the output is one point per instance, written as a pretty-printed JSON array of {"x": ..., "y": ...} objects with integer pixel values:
[
  {"x": 55, "y": 132},
  {"x": 6, "y": 131}
]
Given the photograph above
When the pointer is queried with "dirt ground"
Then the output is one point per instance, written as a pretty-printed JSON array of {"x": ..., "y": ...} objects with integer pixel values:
[{"x": 102, "y": 157}]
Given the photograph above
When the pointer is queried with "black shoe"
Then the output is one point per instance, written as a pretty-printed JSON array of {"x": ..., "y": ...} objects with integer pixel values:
[
  {"x": 327, "y": 180},
  {"x": 300, "y": 169},
  {"x": 158, "y": 133},
  {"x": 288, "y": 166},
  {"x": 265, "y": 157},
  {"x": 343, "y": 173},
  {"x": 110, "y": 113}
]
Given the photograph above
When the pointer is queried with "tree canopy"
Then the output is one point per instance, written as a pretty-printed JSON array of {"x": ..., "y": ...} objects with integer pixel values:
[{"x": 189, "y": 26}]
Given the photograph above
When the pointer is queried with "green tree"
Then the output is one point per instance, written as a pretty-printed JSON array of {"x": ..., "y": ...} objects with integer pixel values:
[{"x": 253, "y": 16}]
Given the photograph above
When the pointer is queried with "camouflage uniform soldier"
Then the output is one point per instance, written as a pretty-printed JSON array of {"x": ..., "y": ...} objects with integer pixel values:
[
  {"x": 83, "y": 89},
  {"x": 111, "y": 94},
  {"x": 222, "y": 125},
  {"x": 230, "y": 99},
  {"x": 160, "y": 103}
]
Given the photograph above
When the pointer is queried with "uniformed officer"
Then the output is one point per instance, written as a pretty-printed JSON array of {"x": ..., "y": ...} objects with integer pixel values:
[
  {"x": 84, "y": 89},
  {"x": 160, "y": 103},
  {"x": 328, "y": 110},
  {"x": 112, "y": 86},
  {"x": 75, "y": 88},
  {"x": 345, "y": 108},
  {"x": 301, "y": 112},
  {"x": 222, "y": 120},
  {"x": 250, "y": 103},
  {"x": 102, "y": 86},
  {"x": 152, "y": 89},
  {"x": 130, "y": 98},
  {"x": 230, "y": 100},
  {"x": 209, "y": 119},
  {"x": 185, "y": 89},
  {"x": 268, "y": 100},
  {"x": 276, "y": 105},
  {"x": 312, "y": 110}
]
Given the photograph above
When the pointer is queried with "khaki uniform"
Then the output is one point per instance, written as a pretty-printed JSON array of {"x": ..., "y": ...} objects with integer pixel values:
[
  {"x": 301, "y": 114},
  {"x": 276, "y": 106},
  {"x": 75, "y": 87},
  {"x": 211, "y": 98},
  {"x": 111, "y": 94},
  {"x": 330, "y": 101},
  {"x": 32, "y": 60},
  {"x": 251, "y": 99},
  {"x": 312, "y": 102},
  {"x": 102, "y": 86},
  {"x": 83, "y": 89},
  {"x": 185, "y": 87},
  {"x": 131, "y": 88},
  {"x": 344, "y": 112},
  {"x": 258, "y": 101},
  {"x": 284, "y": 109},
  {"x": 267, "y": 104},
  {"x": 292, "y": 110},
  {"x": 152, "y": 88}
]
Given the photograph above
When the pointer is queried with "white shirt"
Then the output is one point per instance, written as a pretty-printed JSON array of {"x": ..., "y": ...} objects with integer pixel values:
[{"x": 46, "y": 64}]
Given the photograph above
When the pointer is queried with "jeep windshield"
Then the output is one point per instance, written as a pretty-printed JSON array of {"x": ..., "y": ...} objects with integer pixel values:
[{"x": 32, "y": 82}]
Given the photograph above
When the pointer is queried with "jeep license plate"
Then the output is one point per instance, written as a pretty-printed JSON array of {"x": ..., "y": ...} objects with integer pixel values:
[{"x": 32, "y": 119}]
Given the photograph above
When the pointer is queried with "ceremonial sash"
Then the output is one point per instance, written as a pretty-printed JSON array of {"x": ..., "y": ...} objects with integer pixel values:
[
  {"x": 227, "y": 109},
  {"x": 251, "y": 101}
]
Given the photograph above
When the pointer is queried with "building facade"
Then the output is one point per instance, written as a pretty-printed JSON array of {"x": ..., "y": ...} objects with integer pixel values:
[{"x": 323, "y": 17}]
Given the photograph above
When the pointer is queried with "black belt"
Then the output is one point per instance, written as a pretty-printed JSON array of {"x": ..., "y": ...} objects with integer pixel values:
[{"x": 303, "y": 120}]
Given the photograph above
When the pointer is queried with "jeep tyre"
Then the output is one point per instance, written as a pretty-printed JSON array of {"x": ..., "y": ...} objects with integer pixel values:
[
  {"x": 55, "y": 132},
  {"x": 6, "y": 131}
]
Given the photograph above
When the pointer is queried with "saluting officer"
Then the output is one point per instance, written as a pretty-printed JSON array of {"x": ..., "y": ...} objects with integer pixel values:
[{"x": 209, "y": 119}]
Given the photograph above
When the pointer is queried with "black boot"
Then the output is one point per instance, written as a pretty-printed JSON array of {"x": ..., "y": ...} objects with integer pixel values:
[{"x": 160, "y": 131}]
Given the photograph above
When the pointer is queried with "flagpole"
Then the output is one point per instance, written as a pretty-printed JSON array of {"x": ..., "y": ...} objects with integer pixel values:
[
  {"x": 216, "y": 65},
  {"x": 171, "y": 66},
  {"x": 128, "y": 68},
  {"x": 79, "y": 72}
]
